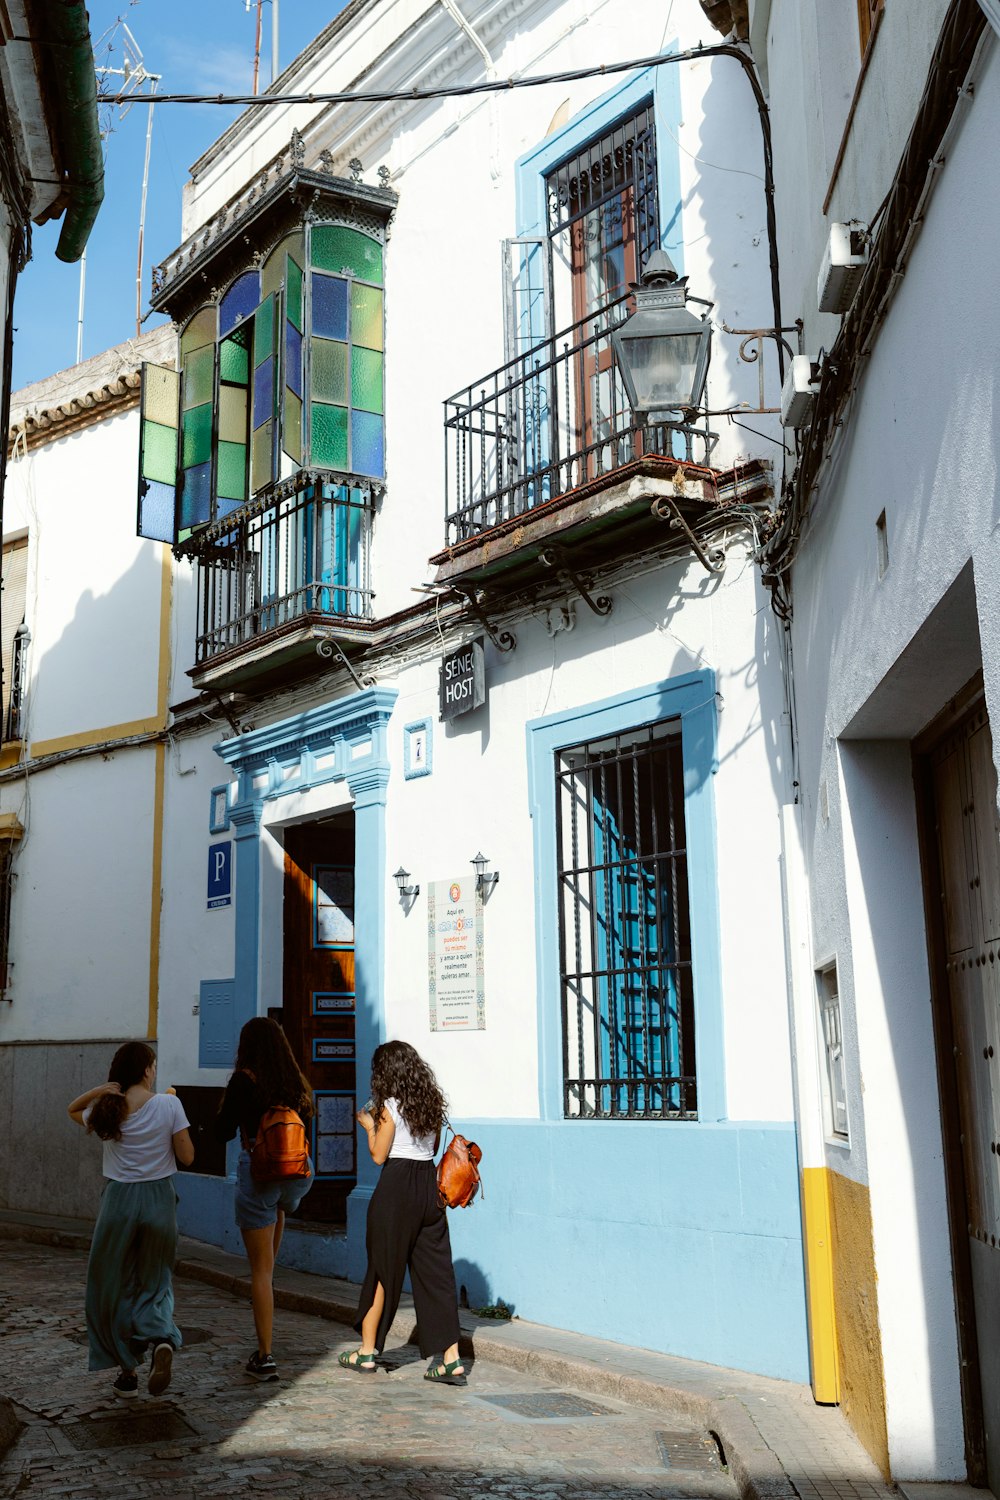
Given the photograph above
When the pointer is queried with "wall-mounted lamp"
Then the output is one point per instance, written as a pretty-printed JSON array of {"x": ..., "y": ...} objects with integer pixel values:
[
  {"x": 485, "y": 880},
  {"x": 406, "y": 891}
]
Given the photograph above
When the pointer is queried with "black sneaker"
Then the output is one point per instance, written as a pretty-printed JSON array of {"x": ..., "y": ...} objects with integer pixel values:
[
  {"x": 127, "y": 1386},
  {"x": 262, "y": 1366},
  {"x": 160, "y": 1368}
]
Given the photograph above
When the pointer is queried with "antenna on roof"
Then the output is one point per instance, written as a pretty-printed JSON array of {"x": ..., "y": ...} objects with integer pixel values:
[{"x": 138, "y": 82}]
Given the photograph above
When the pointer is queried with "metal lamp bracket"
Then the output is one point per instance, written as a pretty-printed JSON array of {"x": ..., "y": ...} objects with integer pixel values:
[
  {"x": 554, "y": 557},
  {"x": 503, "y": 640},
  {"x": 665, "y": 508}
]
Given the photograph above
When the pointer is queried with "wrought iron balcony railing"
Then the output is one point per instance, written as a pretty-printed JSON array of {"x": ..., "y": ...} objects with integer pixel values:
[
  {"x": 301, "y": 558},
  {"x": 545, "y": 423}
]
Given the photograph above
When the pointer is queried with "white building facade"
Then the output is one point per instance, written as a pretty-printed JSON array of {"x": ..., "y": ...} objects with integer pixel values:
[
  {"x": 886, "y": 562},
  {"x": 608, "y": 1018}
]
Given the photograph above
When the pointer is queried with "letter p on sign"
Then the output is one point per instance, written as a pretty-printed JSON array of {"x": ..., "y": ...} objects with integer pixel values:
[{"x": 220, "y": 875}]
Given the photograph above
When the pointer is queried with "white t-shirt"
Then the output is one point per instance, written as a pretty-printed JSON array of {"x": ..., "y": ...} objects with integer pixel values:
[
  {"x": 145, "y": 1152},
  {"x": 404, "y": 1144}
]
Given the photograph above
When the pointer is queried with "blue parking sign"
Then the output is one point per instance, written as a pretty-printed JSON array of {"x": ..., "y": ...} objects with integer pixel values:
[{"x": 220, "y": 874}]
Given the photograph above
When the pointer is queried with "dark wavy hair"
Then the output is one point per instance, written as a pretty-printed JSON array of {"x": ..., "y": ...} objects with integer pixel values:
[
  {"x": 264, "y": 1052},
  {"x": 128, "y": 1067},
  {"x": 400, "y": 1073}
]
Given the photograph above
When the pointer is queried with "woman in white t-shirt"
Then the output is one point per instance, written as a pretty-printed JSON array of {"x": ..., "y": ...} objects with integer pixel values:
[
  {"x": 407, "y": 1228},
  {"x": 130, "y": 1294}
]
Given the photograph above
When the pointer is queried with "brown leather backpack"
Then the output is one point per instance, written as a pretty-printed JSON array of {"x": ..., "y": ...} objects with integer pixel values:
[
  {"x": 280, "y": 1148},
  {"x": 458, "y": 1171}
]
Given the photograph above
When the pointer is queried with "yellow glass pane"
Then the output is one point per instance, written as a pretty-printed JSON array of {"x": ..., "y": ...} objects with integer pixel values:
[
  {"x": 291, "y": 432},
  {"x": 272, "y": 272},
  {"x": 200, "y": 331},
  {"x": 232, "y": 414},
  {"x": 260, "y": 458},
  {"x": 366, "y": 316},
  {"x": 160, "y": 390}
]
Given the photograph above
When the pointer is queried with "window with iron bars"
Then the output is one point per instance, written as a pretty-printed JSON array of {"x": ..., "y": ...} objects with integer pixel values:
[
  {"x": 625, "y": 934},
  {"x": 6, "y": 886}
]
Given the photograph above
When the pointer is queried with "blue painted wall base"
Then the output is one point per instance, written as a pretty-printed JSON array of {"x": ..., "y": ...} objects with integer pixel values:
[{"x": 680, "y": 1238}]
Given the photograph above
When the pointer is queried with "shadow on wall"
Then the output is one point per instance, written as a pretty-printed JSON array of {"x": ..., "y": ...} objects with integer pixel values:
[{"x": 477, "y": 1294}]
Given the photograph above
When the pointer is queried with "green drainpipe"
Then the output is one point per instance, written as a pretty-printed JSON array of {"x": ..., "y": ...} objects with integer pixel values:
[{"x": 67, "y": 25}]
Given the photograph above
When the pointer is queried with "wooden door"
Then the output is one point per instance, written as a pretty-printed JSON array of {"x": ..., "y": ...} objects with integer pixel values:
[
  {"x": 966, "y": 851},
  {"x": 604, "y": 265},
  {"x": 318, "y": 1009}
]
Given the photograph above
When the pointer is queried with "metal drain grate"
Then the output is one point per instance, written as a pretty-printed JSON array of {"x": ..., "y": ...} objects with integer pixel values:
[
  {"x": 688, "y": 1450},
  {"x": 549, "y": 1405},
  {"x": 127, "y": 1432}
]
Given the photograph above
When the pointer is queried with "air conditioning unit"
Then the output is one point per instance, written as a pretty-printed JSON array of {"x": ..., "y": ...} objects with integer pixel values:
[
  {"x": 799, "y": 391},
  {"x": 844, "y": 260}
]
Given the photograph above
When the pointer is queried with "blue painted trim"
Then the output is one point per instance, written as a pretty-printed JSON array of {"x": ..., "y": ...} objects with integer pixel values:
[
  {"x": 319, "y": 1094},
  {"x": 692, "y": 698},
  {"x": 663, "y": 87},
  {"x": 345, "y": 740},
  {"x": 411, "y": 772},
  {"x": 338, "y": 1010},
  {"x": 216, "y": 825}
]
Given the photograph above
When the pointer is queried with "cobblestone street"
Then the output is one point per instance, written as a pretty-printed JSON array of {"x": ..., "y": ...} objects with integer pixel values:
[{"x": 319, "y": 1431}]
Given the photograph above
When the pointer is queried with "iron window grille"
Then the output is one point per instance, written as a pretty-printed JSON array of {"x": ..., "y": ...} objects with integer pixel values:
[
  {"x": 612, "y": 177},
  {"x": 6, "y": 887},
  {"x": 628, "y": 1025},
  {"x": 834, "y": 1082}
]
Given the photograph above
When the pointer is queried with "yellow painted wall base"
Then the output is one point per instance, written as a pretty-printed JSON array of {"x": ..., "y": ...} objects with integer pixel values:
[
  {"x": 818, "y": 1237},
  {"x": 855, "y": 1298}
]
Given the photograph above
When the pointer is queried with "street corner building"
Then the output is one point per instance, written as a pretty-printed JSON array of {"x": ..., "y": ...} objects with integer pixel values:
[{"x": 439, "y": 695}]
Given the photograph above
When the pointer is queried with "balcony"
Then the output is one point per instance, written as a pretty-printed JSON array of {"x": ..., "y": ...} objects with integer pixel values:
[
  {"x": 530, "y": 447},
  {"x": 282, "y": 580}
]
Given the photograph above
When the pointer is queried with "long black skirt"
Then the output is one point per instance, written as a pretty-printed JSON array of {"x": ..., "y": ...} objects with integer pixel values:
[{"x": 408, "y": 1231}]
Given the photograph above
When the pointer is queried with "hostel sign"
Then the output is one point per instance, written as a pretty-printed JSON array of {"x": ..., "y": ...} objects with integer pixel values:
[
  {"x": 455, "y": 960},
  {"x": 463, "y": 680}
]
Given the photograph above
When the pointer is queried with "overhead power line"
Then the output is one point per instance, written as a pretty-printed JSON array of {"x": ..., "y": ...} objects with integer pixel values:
[{"x": 451, "y": 91}]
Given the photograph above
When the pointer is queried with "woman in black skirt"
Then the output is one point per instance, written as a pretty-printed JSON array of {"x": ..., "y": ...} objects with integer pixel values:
[{"x": 407, "y": 1227}]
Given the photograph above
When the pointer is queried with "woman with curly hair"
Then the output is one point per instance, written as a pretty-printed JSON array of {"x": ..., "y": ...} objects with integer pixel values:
[
  {"x": 407, "y": 1227},
  {"x": 130, "y": 1293},
  {"x": 266, "y": 1076}
]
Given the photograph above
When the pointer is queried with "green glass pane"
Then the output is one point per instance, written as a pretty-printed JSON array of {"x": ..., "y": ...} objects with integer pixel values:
[
  {"x": 232, "y": 483},
  {"x": 366, "y": 316},
  {"x": 234, "y": 360},
  {"x": 291, "y": 427},
  {"x": 159, "y": 452},
  {"x": 260, "y": 458},
  {"x": 159, "y": 394},
  {"x": 232, "y": 414},
  {"x": 329, "y": 371},
  {"x": 263, "y": 332},
  {"x": 199, "y": 372},
  {"x": 329, "y": 436},
  {"x": 200, "y": 331},
  {"x": 197, "y": 444},
  {"x": 337, "y": 248},
  {"x": 293, "y": 296},
  {"x": 366, "y": 380}
]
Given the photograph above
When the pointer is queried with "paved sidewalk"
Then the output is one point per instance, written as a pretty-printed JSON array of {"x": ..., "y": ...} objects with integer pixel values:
[{"x": 777, "y": 1442}]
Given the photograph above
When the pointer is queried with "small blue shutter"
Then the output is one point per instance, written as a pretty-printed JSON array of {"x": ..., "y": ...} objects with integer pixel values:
[{"x": 217, "y": 1023}]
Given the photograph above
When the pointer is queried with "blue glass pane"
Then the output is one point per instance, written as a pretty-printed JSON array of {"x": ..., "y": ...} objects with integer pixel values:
[
  {"x": 293, "y": 359},
  {"x": 240, "y": 301},
  {"x": 156, "y": 510},
  {"x": 329, "y": 306},
  {"x": 196, "y": 496},
  {"x": 225, "y": 507},
  {"x": 263, "y": 392},
  {"x": 367, "y": 444}
]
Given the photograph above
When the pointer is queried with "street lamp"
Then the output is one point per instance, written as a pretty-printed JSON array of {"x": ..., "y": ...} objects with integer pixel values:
[{"x": 662, "y": 349}]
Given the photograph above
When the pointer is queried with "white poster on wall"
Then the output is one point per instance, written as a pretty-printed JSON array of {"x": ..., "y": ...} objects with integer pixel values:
[{"x": 455, "y": 984}]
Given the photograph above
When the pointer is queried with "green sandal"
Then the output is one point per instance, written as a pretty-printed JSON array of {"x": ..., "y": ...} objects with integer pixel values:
[
  {"x": 353, "y": 1359},
  {"x": 445, "y": 1374}
]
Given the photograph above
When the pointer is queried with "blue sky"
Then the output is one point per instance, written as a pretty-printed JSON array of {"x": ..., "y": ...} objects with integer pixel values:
[{"x": 199, "y": 46}]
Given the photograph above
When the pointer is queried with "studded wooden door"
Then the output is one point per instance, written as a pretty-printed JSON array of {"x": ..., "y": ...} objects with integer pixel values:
[{"x": 967, "y": 837}]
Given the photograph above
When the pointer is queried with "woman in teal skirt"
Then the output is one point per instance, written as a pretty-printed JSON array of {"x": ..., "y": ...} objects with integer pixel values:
[{"x": 130, "y": 1294}]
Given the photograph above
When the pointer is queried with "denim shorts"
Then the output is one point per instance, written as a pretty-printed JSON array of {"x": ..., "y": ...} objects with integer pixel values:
[{"x": 257, "y": 1203}]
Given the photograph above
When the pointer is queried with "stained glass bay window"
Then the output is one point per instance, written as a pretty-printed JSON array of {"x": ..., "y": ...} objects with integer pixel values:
[{"x": 285, "y": 367}]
